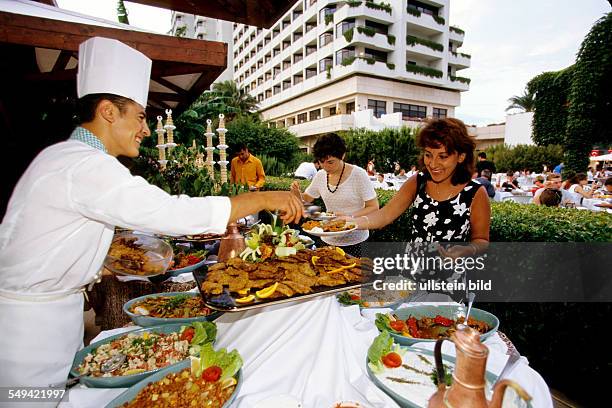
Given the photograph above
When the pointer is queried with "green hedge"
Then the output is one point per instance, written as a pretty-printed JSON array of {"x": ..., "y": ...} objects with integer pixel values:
[
  {"x": 460, "y": 79},
  {"x": 381, "y": 6},
  {"x": 457, "y": 30},
  {"x": 391, "y": 39},
  {"x": 510, "y": 222}
]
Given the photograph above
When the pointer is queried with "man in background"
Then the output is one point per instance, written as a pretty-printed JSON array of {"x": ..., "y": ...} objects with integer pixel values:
[
  {"x": 247, "y": 169},
  {"x": 307, "y": 170},
  {"x": 483, "y": 163},
  {"x": 485, "y": 180}
]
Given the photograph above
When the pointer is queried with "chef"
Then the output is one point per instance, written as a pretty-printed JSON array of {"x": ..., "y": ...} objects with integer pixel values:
[{"x": 60, "y": 219}]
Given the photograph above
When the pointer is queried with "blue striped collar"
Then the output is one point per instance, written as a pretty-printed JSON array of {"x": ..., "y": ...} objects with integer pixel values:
[{"x": 83, "y": 135}]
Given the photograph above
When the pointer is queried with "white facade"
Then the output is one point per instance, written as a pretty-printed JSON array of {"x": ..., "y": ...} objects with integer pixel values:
[
  {"x": 328, "y": 58},
  {"x": 519, "y": 129},
  {"x": 204, "y": 28}
]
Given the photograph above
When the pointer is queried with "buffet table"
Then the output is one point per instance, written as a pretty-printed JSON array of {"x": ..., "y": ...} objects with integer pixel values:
[{"x": 313, "y": 351}]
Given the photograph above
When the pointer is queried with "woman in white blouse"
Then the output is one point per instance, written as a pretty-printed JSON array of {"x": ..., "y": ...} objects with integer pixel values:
[
  {"x": 578, "y": 182},
  {"x": 344, "y": 188}
]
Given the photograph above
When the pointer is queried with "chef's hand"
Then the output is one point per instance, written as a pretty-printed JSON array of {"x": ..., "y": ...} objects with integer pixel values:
[{"x": 289, "y": 206}]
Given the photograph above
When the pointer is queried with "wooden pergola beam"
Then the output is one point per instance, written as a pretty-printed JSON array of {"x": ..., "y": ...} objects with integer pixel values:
[{"x": 63, "y": 35}]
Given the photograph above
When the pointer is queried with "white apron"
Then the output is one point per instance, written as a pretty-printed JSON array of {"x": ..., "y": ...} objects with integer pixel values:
[{"x": 40, "y": 335}]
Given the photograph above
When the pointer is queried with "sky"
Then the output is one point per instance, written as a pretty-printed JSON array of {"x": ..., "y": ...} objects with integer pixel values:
[{"x": 510, "y": 42}]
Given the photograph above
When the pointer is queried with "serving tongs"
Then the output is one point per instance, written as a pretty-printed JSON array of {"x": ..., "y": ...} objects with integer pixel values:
[{"x": 110, "y": 365}]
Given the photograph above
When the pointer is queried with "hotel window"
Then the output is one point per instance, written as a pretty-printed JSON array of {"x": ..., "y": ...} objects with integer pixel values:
[
  {"x": 315, "y": 114},
  {"x": 325, "y": 12},
  {"x": 325, "y": 63},
  {"x": 277, "y": 89},
  {"x": 410, "y": 112},
  {"x": 200, "y": 37},
  {"x": 325, "y": 39},
  {"x": 310, "y": 72},
  {"x": 310, "y": 49},
  {"x": 302, "y": 117},
  {"x": 379, "y": 28},
  {"x": 344, "y": 54},
  {"x": 344, "y": 26},
  {"x": 379, "y": 107},
  {"x": 377, "y": 55},
  {"x": 332, "y": 111},
  {"x": 439, "y": 113},
  {"x": 423, "y": 8},
  {"x": 309, "y": 26},
  {"x": 350, "y": 108}
]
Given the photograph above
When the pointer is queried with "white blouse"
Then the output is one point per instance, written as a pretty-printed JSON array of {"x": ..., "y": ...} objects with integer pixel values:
[
  {"x": 61, "y": 217},
  {"x": 350, "y": 197}
]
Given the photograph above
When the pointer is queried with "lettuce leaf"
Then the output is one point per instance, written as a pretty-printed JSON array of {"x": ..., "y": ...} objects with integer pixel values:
[
  {"x": 229, "y": 363},
  {"x": 205, "y": 332},
  {"x": 382, "y": 345},
  {"x": 382, "y": 323}
]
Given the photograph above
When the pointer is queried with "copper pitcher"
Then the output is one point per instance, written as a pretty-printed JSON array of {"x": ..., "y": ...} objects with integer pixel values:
[
  {"x": 232, "y": 243},
  {"x": 468, "y": 386}
]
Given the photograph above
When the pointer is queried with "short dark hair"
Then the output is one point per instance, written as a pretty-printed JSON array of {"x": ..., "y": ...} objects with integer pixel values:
[
  {"x": 578, "y": 177},
  {"x": 452, "y": 134},
  {"x": 551, "y": 197},
  {"x": 241, "y": 147},
  {"x": 329, "y": 145},
  {"x": 87, "y": 105},
  {"x": 608, "y": 182},
  {"x": 486, "y": 173},
  {"x": 510, "y": 173},
  {"x": 482, "y": 154}
]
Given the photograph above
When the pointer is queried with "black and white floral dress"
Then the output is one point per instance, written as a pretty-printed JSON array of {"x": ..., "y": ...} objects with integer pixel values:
[{"x": 441, "y": 221}]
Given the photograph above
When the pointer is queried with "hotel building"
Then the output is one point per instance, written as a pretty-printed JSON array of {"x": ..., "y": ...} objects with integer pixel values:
[{"x": 330, "y": 65}]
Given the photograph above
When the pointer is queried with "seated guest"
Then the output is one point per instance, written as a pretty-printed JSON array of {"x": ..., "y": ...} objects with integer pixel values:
[
  {"x": 551, "y": 197},
  {"x": 538, "y": 184},
  {"x": 510, "y": 184},
  {"x": 380, "y": 182},
  {"x": 485, "y": 180},
  {"x": 554, "y": 182},
  {"x": 578, "y": 182},
  {"x": 307, "y": 170},
  {"x": 607, "y": 191}
]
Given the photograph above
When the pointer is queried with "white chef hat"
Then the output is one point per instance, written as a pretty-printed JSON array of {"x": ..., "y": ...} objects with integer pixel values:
[{"x": 109, "y": 66}]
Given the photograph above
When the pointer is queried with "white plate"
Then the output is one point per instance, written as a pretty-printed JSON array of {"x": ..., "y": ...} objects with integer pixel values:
[{"x": 329, "y": 234}]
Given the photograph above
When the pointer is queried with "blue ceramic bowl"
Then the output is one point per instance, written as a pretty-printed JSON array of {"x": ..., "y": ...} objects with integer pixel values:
[
  {"x": 448, "y": 311},
  {"x": 119, "y": 381},
  {"x": 131, "y": 393},
  {"x": 147, "y": 321}
]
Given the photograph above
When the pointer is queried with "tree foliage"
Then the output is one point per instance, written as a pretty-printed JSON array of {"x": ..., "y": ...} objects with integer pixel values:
[
  {"x": 522, "y": 157},
  {"x": 550, "y": 90},
  {"x": 590, "y": 96},
  {"x": 386, "y": 147}
]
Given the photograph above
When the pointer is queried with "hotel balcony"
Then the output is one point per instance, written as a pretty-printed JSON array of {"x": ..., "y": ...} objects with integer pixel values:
[
  {"x": 417, "y": 47},
  {"x": 424, "y": 23},
  {"x": 458, "y": 83},
  {"x": 379, "y": 16},
  {"x": 327, "y": 124},
  {"x": 455, "y": 35},
  {"x": 459, "y": 60},
  {"x": 377, "y": 41}
]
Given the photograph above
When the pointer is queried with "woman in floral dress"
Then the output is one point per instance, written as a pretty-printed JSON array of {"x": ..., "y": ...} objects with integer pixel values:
[{"x": 446, "y": 204}]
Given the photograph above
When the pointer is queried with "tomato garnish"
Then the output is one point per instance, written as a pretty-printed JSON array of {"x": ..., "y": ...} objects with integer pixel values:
[
  {"x": 212, "y": 374},
  {"x": 188, "y": 334},
  {"x": 397, "y": 325},
  {"x": 443, "y": 321},
  {"x": 412, "y": 327},
  {"x": 392, "y": 360},
  {"x": 355, "y": 297}
]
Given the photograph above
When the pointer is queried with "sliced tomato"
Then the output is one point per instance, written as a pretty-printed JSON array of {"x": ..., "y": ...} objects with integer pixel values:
[
  {"x": 392, "y": 360},
  {"x": 212, "y": 374},
  {"x": 398, "y": 325},
  {"x": 413, "y": 329},
  {"x": 188, "y": 334},
  {"x": 355, "y": 297},
  {"x": 443, "y": 321}
]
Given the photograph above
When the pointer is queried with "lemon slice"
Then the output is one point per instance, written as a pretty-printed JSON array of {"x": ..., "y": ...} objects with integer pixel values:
[
  {"x": 195, "y": 365},
  {"x": 243, "y": 292},
  {"x": 340, "y": 269},
  {"x": 228, "y": 382},
  {"x": 267, "y": 292},
  {"x": 314, "y": 259},
  {"x": 246, "y": 299},
  {"x": 340, "y": 251},
  {"x": 134, "y": 371}
]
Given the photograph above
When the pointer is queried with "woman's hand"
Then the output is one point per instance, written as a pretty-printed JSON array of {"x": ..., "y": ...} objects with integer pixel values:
[{"x": 457, "y": 251}]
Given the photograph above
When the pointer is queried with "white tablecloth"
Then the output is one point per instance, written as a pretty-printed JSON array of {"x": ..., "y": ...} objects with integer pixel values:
[{"x": 314, "y": 351}]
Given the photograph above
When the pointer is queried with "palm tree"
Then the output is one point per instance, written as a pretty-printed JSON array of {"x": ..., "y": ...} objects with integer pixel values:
[
  {"x": 231, "y": 98},
  {"x": 122, "y": 14},
  {"x": 525, "y": 102}
]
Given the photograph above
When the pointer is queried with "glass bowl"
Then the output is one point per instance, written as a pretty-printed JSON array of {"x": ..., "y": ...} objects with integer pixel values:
[{"x": 136, "y": 254}]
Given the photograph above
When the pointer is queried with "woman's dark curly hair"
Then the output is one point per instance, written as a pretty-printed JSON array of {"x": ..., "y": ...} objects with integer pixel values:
[
  {"x": 329, "y": 145},
  {"x": 452, "y": 134}
]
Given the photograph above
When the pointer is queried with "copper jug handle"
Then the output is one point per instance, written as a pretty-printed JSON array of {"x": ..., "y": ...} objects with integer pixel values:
[{"x": 441, "y": 374}]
